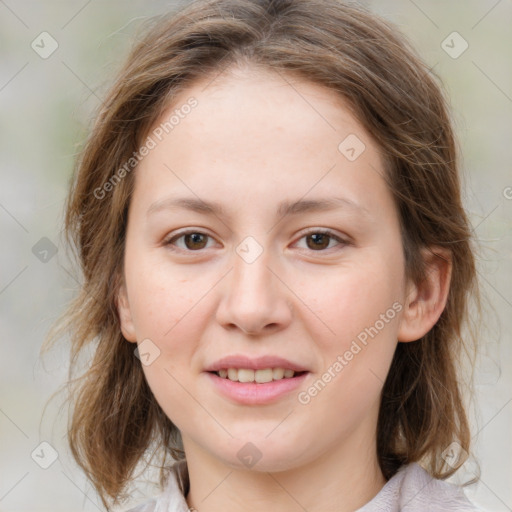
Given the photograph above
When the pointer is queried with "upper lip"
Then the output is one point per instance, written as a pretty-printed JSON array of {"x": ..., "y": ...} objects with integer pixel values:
[{"x": 254, "y": 363}]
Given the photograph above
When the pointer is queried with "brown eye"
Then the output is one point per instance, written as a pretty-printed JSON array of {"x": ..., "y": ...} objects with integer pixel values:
[
  {"x": 189, "y": 241},
  {"x": 195, "y": 241},
  {"x": 317, "y": 241},
  {"x": 321, "y": 241}
]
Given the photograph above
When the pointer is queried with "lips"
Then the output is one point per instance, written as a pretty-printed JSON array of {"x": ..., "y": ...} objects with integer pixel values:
[
  {"x": 254, "y": 393},
  {"x": 246, "y": 380},
  {"x": 238, "y": 361}
]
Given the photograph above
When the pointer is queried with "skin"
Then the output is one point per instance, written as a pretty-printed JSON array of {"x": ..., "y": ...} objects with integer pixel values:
[{"x": 254, "y": 139}]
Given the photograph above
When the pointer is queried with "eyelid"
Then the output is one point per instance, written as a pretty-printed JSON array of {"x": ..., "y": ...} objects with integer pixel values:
[
  {"x": 324, "y": 231},
  {"x": 342, "y": 240},
  {"x": 177, "y": 235}
]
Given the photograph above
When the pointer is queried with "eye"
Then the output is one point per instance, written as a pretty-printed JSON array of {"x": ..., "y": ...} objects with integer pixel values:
[
  {"x": 191, "y": 241},
  {"x": 320, "y": 240}
]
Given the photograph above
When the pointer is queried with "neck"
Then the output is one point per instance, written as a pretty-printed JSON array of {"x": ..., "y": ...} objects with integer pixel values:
[{"x": 343, "y": 479}]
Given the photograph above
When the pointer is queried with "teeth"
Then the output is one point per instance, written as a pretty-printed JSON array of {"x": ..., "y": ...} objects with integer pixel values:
[
  {"x": 245, "y": 375},
  {"x": 259, "y": 376},
  {"x": 263, "y": 376},
  {"x": 278, "y": 373}
]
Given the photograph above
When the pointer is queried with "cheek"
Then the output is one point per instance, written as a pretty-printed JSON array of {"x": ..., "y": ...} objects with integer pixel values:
[
  {"x": 173, "y": 318},
  {"x": 361, "y": 308},
  {"x": 353, "y": 298},
  {"x": 170, "y": 313},
  {"x": 170, "y": 388},
  {"x": 160, "y": 297},
  {"x": 356, "y": 359}
]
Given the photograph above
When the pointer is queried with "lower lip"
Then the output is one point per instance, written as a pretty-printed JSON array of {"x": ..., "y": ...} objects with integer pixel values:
[{"x": 252, "y": 393}]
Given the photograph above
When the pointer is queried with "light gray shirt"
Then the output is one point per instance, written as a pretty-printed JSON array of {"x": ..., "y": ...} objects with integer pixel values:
[{"x": 411, "y": 489}]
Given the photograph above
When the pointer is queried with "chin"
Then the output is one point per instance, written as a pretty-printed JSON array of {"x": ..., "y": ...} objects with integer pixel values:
[{"x": 259, "y": 453}]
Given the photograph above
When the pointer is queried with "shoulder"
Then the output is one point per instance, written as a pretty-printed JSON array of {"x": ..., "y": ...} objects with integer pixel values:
[
  {"x": 420, "y": 491},
  {"x": 171, "y": 499},
  {"x": 146, "y": 506},
  {"x": 412, "y": 489}
]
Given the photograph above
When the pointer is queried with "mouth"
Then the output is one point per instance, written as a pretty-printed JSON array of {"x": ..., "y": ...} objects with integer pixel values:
[
  {"x": 248, "y": 387},
  {"x": 261, "y": 376},
  {"x": 253, "y": 380}
]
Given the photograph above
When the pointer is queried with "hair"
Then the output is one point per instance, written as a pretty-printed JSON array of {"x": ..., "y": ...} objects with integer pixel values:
[{"x": 115, "y": 418}]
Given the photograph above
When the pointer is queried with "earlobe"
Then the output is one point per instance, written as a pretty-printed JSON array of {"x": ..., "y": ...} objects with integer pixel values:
[
  {"x": 426, "y": 300},
  {"x": 125, "y": 315}
]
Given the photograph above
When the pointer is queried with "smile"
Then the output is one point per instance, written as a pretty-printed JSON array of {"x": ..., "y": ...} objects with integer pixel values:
[
  {"x": 259, "y": 376},
  {"x": 243, "y": 388}
]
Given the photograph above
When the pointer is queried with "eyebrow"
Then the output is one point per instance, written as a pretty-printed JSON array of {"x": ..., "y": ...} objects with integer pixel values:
[{"x": 284, "y": 208}]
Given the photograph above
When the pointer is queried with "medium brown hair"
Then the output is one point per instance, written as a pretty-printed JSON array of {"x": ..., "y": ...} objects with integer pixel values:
[{"x": 398, "y": 100}]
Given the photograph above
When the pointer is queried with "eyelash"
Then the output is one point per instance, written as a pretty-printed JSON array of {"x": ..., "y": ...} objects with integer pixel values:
[{"x": 169, "y": 242}]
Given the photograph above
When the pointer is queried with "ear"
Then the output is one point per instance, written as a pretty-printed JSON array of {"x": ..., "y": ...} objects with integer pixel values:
[
  {"x": 125, "y": 314},
  {"x": 426, "y": 301}
]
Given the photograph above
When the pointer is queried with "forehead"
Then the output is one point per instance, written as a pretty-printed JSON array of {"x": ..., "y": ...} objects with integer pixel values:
[
  {"x": 259, "y": 98},
  {"x": 261, "y": 132}
]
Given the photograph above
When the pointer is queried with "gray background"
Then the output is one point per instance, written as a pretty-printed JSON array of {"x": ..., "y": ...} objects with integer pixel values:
[{"x": 46, "y": 106}]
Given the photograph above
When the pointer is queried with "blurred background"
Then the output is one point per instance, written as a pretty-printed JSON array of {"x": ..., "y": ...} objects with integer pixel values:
[{"x": 57, "y": 59}]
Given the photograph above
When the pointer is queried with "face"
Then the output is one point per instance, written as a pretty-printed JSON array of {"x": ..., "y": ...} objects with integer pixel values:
[{"x": 261, "y": 228}]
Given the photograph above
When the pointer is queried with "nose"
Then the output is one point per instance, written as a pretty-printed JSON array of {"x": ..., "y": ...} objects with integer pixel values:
[{"x": 254, "y": 299}]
